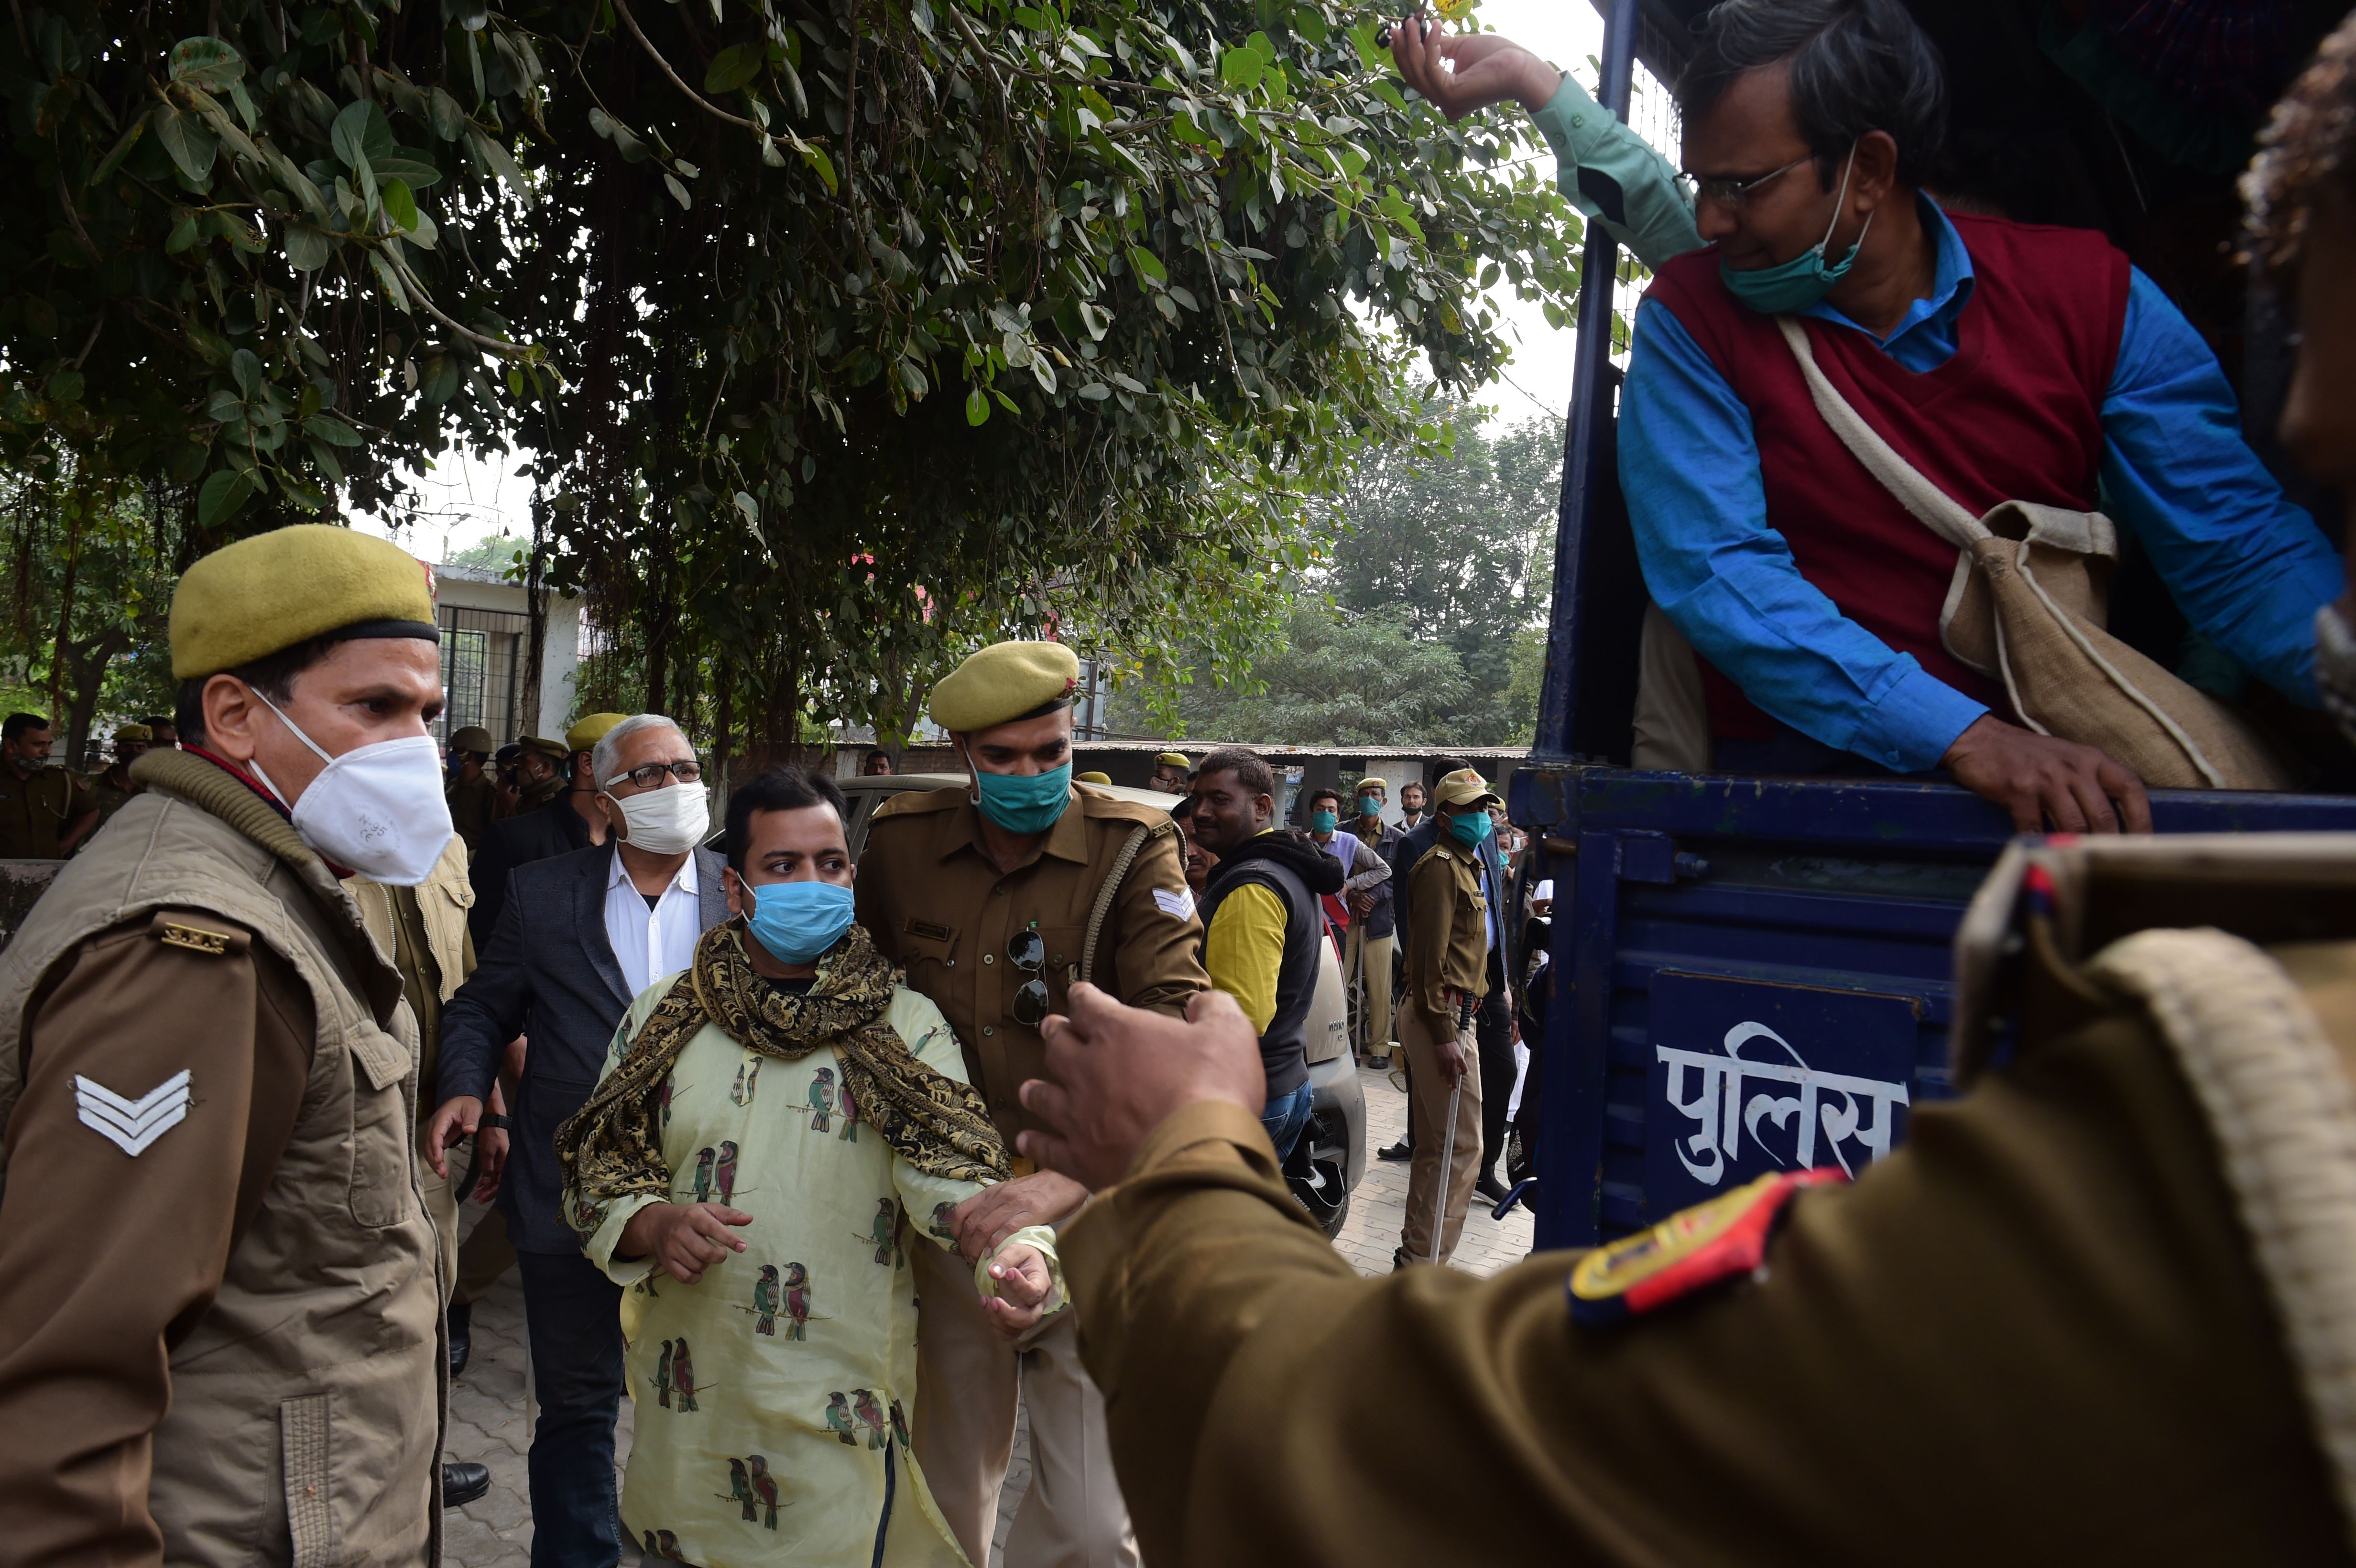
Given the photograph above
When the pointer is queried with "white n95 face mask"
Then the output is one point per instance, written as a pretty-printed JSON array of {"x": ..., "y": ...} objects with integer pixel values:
[
  {"x": 667, "y": 821},
  {"x": 377, "y": 809}
]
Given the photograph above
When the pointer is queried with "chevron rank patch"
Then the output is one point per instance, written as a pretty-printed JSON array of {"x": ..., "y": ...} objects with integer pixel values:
[
  {"x": 1178, "y": 903},
  {"x": 1722, "y": 1239},
  {"x": 132, "y": 1124}
]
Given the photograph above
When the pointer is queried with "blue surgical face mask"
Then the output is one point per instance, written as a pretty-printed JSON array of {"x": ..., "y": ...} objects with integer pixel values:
[
  {"x": 1370, "y": 806},
  {"x": 1025, "y": 803},
  {"x": 1807, "y": 277},
  {"x": 1323, "y": 822},
  {"x": 1469, "y": 827},
  {"x": 799, "y": 922}
]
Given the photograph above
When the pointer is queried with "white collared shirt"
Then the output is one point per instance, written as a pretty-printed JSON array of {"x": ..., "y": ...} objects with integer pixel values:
[{"x": 652, "y": 943}]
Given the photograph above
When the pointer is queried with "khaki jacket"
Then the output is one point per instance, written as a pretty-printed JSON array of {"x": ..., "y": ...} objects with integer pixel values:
[
  {"x": 442, "y": 900},
  {"x": 225, "y": 1347},
  {"x": 936, "y": 906},
  {"x": 1448, "y": 932}
]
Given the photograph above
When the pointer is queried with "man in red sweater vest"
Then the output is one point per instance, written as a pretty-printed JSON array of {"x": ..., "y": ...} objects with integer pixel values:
[{"x": 2002, "y": 360}]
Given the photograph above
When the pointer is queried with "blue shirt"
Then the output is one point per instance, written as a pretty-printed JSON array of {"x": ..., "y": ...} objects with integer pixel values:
[{"x": 2246, "y": 567}]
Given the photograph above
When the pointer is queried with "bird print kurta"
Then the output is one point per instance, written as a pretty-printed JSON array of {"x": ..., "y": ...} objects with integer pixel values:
[{"x": 773, "y": 1395}]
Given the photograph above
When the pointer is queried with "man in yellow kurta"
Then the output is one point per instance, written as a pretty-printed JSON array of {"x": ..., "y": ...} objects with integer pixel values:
[{"x": 774, "y": 1128}]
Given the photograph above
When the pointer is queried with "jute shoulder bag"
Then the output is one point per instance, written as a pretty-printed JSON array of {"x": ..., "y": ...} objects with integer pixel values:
[{"x": 2028, "y": 605}]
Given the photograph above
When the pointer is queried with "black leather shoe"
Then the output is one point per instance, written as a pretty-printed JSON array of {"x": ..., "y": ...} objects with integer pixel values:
[
  {"x": 1397, "y": 1152},
  {"x": 1490, "y": 1188},
  {"x": 463, "y": 1481},
  {"x": 462, "y": 1343}
]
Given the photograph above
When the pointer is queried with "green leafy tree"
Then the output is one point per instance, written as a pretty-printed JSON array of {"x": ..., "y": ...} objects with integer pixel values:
[
  {"x": 498, "y": 552},
  {"x": 843, "y": 333},
  {"x": 1462, "y": 545},
  {"x": 90, "y": 565},
  {"x": 1335, "y": 679}
]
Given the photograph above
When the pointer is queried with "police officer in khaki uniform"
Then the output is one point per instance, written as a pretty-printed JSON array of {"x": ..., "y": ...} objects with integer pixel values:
[
  {"x": 115, "y": 787},
  {"x": 1172, "y": 774},
  {"x": 1448, "y": 938},
  {"x": 996, "y": 898},
  {"x": 45, "y": 810},
  {"x": 474, "y": 798},
  {"x": 219, "y": 1294}
]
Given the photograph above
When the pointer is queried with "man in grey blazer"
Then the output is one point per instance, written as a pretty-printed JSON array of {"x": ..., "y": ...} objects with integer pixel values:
[{"x": 580, "y": 935}]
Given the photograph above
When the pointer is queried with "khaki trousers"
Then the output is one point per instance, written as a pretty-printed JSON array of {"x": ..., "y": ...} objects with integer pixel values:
[
  {"x": 1672, "y": 713},
  {"x": 1428, "y": 1090},
  {"x": 1370, "y": 961},
  {"x": 967, "y": 1382}
]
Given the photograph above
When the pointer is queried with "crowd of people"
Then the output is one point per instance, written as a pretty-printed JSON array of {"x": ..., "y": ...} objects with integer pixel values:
[{"x": 825, "y": 1160}]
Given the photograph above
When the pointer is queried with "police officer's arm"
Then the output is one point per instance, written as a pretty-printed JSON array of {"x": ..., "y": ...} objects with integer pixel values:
[
  {"x": 108, "y": 1259},
  {"x": 1431, "y": 895},
  {"x": 81, "y": 803},
  {"x": 2035, "y": 1323},
  {"x": 1153, "y": 935},
  {"x": 478, "y": 1023}
]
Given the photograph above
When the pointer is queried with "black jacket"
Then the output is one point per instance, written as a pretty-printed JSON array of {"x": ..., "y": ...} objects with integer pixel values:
[
  {"x": 553, "y": 828},
  {"x": 552, "y": 976},
  {"x": 1297, "y": 869}
]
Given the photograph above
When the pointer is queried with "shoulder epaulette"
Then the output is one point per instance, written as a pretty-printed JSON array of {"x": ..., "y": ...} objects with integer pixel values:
[
  {"x": 1710, "y": 1244},
  {"x": 917, "y": 802},
  {"x": 1113, "y": 808}
]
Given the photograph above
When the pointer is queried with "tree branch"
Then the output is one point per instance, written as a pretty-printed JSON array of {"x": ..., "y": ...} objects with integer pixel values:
[{"x": 622, "y": 9}]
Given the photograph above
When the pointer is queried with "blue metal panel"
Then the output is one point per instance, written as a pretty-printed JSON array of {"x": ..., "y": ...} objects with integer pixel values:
[{"x": 1838, "y": 886}]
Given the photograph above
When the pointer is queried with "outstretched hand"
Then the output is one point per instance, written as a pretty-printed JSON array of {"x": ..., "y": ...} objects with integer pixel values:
[
  {"x": 1114, "y": 1074},
  {"x": 1488, "y": 68}
]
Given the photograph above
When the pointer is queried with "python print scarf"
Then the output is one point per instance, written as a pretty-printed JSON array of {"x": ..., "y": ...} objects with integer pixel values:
[{"x": 613, "y": 1148}]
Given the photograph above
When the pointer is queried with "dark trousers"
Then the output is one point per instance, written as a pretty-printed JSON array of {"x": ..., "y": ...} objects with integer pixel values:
[
  {"x": 1493, "y": 1029},
  {"x": 574, "y": 1316}
]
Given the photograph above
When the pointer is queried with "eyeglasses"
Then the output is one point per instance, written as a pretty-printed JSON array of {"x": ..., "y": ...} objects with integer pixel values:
[
  {"x": 1027, "y": 951},
  {"x": 1735, "y": 193},
  {"x": 651, "y": 776}
]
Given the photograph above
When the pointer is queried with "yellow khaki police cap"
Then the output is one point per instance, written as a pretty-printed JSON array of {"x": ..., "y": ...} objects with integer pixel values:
[
  {"x": 1175, "y": 759},
  {"x": 263, "y": 596},
  {"x": 591, "y": 730},
  {"x": 133, "y": 733},
  {"x": 474, "y": 737},
  {"x": 1002, "y": 682},
  {"x": 1378, "y": 784},
  {"x": 542, "y": 746},
  {"x": 1094, "y": 778},
  {"x": 1464, "y": 787}
]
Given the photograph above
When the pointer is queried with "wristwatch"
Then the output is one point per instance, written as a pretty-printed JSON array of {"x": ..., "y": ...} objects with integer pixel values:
[{"x": 491, "y": 1119}]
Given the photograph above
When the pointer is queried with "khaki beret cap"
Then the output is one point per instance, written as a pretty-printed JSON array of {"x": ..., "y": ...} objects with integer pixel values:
[
  {"x": 474, "y": 737},
  {"x": 1002, "y": 682},
  {"x": 591, "y": 730},
  {"x": 542, "y": 746},
  {"x": 1095, "y": 778},
  {"x": 1175, "y": 759},
  {"x": 133, "y": 733},
  {"x": 1464, "y": 787},
  {"x": 263, "y": 596}
]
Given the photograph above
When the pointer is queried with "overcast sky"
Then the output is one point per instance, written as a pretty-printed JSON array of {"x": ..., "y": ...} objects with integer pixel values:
[{"x": 474, "y": 499}]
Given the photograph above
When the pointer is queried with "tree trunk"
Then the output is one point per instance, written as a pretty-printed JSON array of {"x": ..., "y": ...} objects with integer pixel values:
[{"x": 535, "y": 609}]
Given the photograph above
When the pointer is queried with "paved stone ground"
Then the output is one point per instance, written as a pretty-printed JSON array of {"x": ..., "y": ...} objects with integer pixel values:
[{"x": 487, "y": 1405}]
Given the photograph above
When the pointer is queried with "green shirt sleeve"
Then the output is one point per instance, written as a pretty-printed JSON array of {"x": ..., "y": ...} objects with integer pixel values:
[{"x": 1615, "y": 177}]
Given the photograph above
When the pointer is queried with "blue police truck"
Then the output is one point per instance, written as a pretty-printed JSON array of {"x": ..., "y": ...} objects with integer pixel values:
[{"x": 1753, "y": 974}]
